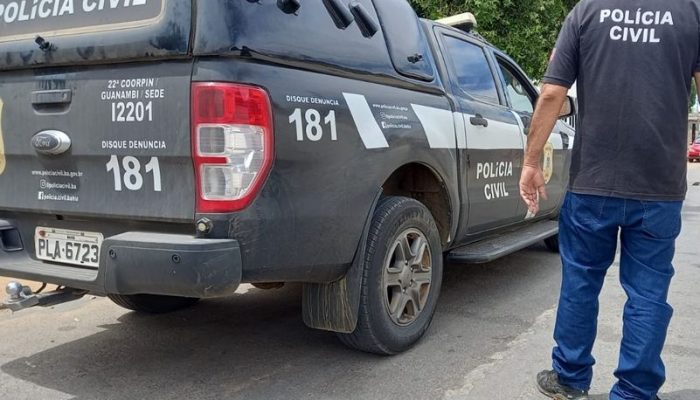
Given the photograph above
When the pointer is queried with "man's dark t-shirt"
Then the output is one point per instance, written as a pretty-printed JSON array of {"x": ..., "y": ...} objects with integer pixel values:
[{"x": 633, "y": 61}]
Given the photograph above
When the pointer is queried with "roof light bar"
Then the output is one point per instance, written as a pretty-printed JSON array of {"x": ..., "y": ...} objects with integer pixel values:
[{"x": 465, "y": 22}]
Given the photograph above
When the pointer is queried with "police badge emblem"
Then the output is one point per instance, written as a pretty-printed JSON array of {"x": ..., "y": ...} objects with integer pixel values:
[{"x": 548, "y": 162}]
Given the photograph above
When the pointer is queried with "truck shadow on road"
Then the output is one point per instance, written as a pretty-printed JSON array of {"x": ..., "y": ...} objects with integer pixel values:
[{"x": 255, "y": 345}]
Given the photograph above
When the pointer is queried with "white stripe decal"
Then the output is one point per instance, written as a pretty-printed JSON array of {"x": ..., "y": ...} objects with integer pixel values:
[
  {"x": 556, "y": 140},
  {"x": 520, "y": 123},
  {"x": 372, "y": 136},
  {"x": 461, "y": 128},
  {"x": 439, "y": 126},
  {"x": 498, "y": 136}
]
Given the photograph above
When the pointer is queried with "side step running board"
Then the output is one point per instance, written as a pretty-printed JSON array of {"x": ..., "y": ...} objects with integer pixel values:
[{"x": 488, "y": 250}]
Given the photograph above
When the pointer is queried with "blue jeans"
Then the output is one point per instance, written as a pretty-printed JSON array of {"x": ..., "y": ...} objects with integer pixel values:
[{"x": 589, "y": 230}]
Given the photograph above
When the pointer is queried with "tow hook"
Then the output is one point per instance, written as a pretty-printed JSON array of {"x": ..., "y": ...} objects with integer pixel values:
[{"x": 21, "y": 297}]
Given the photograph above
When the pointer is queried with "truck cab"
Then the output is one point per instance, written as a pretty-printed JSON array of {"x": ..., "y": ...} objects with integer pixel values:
[{"x": 165, "y": 151}]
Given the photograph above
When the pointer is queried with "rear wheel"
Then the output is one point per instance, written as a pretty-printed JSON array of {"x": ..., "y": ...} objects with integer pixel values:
[
  {"x": 401, "y": 279},
  {"x": 152, "y": 304}
]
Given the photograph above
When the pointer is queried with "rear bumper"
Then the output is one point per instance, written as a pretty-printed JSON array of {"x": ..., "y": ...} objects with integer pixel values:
[{"x": 138, "y": 263}]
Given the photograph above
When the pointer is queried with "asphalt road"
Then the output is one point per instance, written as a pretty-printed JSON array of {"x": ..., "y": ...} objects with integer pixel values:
[{"x": 491, "y": 334}]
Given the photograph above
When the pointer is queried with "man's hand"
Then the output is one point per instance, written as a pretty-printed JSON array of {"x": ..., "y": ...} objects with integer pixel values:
[{"x": 532, "y": 188}]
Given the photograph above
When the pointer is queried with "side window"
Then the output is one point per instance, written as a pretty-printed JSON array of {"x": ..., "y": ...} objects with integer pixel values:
[
  {"x": 517, "y": 92},
  {"x": 474, "y": 74}
]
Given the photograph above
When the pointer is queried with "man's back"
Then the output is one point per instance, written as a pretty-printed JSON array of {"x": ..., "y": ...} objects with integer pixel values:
[{"x": 634, "y": 60}]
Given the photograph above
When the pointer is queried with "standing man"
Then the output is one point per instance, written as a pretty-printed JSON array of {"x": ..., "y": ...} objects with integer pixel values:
[{"x": 633, "y": 61}]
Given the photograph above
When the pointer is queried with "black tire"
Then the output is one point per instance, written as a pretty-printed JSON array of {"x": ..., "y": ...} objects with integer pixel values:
[
  {"x": 152, "y": 304},
  {"x": 376, "y": 331},
  {"x": 552, "y": 243}
]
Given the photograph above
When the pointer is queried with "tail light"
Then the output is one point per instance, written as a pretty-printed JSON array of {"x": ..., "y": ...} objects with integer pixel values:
[{"x": 232, "y": 144}]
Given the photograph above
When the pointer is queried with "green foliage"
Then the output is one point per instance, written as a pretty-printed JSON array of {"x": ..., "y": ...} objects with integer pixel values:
[{"x": 525, "y": 29}]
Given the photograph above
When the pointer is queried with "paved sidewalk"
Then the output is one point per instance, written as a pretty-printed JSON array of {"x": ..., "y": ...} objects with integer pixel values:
[{"x": 510, "y": 374}]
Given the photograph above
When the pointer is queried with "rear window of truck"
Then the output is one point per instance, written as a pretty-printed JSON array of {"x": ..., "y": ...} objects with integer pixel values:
[
  {"x": 36, "y": 33},
  {"x": 26, "y": 19}
]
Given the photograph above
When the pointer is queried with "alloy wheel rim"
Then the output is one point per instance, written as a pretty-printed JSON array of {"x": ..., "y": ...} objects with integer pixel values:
[{"x": 407, "y": 277}]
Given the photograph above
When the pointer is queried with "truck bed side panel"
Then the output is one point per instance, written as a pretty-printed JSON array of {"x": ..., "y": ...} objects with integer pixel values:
[{"x": 306, "y": 223}]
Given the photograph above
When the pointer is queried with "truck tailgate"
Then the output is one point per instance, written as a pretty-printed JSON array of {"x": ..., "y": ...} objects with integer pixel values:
[{"x": 110, "y": 141}]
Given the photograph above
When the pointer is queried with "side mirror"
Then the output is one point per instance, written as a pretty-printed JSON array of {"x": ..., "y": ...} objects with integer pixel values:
[{"x": 569, "y": 108}]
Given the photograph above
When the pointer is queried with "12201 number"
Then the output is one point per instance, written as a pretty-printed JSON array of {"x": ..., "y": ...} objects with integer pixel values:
[{"x": 132, "y": 111}]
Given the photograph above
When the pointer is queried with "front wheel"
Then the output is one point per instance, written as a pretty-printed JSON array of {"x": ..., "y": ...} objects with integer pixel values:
[
  {"x": 402, "y": 278},
  {"x": 152, "y": 304}
]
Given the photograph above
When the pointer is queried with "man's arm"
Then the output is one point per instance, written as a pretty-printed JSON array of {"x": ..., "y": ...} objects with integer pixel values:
[
  {"x": 697, "y": 81},
  {"x": 561, "y": 73},
  {"x": 549, "y": 106},
  {"x": 532, "y": 183}
]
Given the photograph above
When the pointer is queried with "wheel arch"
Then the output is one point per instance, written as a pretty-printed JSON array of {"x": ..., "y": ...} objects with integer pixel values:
[{"x": 423, "y": 183}]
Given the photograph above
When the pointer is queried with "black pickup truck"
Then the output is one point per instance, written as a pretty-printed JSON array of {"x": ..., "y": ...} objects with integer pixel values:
[{"x": 159, "y": 152}]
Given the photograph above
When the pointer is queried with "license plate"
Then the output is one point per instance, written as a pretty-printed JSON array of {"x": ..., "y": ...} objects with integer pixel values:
[{"x": 68, "y": 247}]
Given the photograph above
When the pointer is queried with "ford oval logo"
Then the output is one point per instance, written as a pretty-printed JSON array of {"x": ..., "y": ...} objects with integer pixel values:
[{"x": 51, "y": 142}]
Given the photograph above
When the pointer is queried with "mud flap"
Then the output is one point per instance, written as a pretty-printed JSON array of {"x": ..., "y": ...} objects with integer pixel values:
[{"x": 334, "y": 306}]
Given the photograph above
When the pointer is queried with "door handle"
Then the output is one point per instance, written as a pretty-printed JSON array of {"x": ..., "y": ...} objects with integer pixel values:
[
  {"x": 49, "y": 97},
  {"x": 478, "y": 120}
]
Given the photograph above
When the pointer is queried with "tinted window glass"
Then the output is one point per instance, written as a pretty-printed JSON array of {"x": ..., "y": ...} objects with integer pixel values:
[
  {"x": 226, "y": 26},
  {"x": 519, "y": 97},
  {"x": 408, "y": 47},
  {"x": 472, "y": 68},
  {"x": 18, "y": 27},
  {"x": 123, "y": 30}
]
